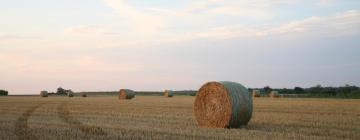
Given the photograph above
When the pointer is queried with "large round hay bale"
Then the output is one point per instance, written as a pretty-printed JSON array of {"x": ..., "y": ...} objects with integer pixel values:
[
  {"x": 274, "y": 94},
  {"x": 44, "y": 94},
  {"x": 223, "y": 104},
  {"x": 168, "y": 93},
  {"x": 255, "y": 93},
  {"x": 126, "y": 94}
]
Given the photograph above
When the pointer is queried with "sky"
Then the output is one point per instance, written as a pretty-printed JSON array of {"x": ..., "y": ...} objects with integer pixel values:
[{"x": 106, "y": 45}]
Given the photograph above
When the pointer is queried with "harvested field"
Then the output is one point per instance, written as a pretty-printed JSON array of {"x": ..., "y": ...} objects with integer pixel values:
[{"x": 154, "y": 117}]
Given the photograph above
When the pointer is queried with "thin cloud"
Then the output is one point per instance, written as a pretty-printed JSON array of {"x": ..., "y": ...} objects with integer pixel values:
[
  {"x": 345, "y": 23},
  {"x": 140, "y": 21},
  {"x": 17, "y": 37},
  {"x": 84, "y": 29},
  {"x": 23, "y": 64}
]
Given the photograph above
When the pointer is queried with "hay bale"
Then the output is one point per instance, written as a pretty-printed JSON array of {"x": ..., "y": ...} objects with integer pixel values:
[
  {"x": 83, "y": 95},
  {"x": 126, "y": 94},
  {"x": 255, "y": 93},
  {"x": 70, "y": 94},
  {"x": 168, "y": 93},
  {"x": 44, "y": 94},
  {"x": 223, "y": 104},
  {"x": 274, "y": 94}
]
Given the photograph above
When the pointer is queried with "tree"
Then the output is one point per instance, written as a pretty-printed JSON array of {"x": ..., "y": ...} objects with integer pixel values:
[
  {"x": 60, "y": 91},
  {"x": 3, "y": 92},
  {"x": 316, "y": 90},
  {"x": 267, "y": 89},
  {"x": 347, "y": 91},
  {"x": 329, "y": 91},
  {"x": 299, "y": 90}
]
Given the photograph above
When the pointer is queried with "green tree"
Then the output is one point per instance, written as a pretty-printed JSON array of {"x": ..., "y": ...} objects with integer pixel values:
[
  {"x": 3, "y": 92},
  {"x": 347, "y": 91},
  {"x": 329, "y": 91},
  {"x": 60, "y": 91},
  {"x": 315, "y": 90},
  {"x": 299, "y": 90},
  {"x": 267, "y": 89}
]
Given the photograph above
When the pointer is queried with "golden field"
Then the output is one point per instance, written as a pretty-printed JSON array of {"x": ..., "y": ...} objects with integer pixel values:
[{"x": 157, "y": 117}]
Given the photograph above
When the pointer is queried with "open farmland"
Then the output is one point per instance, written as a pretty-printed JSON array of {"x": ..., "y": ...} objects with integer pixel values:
[{"x": 156, "y": 117}]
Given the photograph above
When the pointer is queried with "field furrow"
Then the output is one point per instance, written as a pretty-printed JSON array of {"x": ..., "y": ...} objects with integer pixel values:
[{"x": 22, "y": 128}]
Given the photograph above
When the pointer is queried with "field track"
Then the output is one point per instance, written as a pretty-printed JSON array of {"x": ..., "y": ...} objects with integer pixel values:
[
  {"x": 22, "y": 128},
  {"x": 64, "y": 114}
]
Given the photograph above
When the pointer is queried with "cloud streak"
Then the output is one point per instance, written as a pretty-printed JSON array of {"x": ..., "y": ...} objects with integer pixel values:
[
  {"x": 17, "y": 37},
  {"x": 345, "y": 23},
  {"x": 140, "y": 21}
]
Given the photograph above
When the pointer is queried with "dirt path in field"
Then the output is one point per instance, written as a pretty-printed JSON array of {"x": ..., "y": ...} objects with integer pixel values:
[
  {"x": 21, "y": 126},
  {"x": 64, "y": 114}
]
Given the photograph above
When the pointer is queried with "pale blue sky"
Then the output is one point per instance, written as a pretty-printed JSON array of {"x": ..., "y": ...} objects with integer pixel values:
[{"x": 91, "y": 45}]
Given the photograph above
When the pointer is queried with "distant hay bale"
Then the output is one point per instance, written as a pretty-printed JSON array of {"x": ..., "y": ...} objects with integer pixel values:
[
  {"x": 126, "y": 94},
  {"x": 223, "y": 104},
  {"x": 274, "y": 94},
  {"x": 44, "y": 94},
  {"x": 168, "y": 93},
  {"x": 255, "y": 93},
  {"x": 70, "y": 94},
  {"x": 83, "y": 95}
]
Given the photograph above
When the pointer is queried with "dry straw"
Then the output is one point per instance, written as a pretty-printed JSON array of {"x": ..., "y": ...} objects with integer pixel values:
[
  {"x": 44, "y": 94},
  {"x": 168, "y": 93},
  {"x": 126, "y": 94},
  {"x": 274, "y": 94},
  {"x": 223, "y": 104},
  {"x": 255, "y": 93}
]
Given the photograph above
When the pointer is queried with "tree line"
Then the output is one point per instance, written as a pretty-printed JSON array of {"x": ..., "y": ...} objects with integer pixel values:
[
  {"x": 347, "y": 91},
  {"x": 3, "y": 92}
]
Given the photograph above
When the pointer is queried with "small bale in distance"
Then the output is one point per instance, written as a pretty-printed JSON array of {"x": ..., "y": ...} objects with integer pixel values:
[
  {"x": 70, "y": 94},
  {"x": 255, "y": 93},
  {"x": 168, "y": 93},
  {"x": 83, "y": 95},
  {"x": 274, "y": 94},
  {"x": 44, "y": 94},
  {"x": 223, "y": 105},
  {"x": 126, "y": 94}
]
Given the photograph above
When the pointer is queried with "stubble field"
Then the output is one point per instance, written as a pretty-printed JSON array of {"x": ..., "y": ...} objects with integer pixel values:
[{"x": 156, "y": 117}]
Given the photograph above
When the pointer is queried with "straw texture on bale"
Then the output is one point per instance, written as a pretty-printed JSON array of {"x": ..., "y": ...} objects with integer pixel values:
[
  {"x": 274, "y": 94},
  {"x": 126, "y": 94},
  {"x": 223, "y": 105},
  {"x": 255, "y": 93},
  {"x": 44, "y": 94},
  {"x": 168, "y": 93}
]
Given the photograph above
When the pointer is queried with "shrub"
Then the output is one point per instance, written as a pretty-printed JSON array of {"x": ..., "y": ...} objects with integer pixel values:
[{"x": 3, "y": 92}]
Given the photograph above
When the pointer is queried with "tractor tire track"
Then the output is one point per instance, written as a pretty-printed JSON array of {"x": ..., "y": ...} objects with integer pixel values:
[
  {"x": 64, "y": 114},
  {"x": 21, "y": 126}
]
